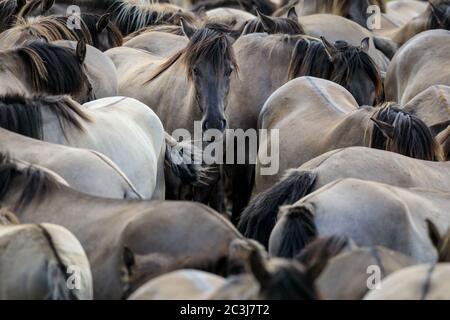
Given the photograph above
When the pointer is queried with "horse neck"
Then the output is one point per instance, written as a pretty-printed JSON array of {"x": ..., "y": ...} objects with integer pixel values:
[
  {"x": 174, "y": 93},
  {"x": 52, "y": 126},
  {"x": 359, "y": 121}
]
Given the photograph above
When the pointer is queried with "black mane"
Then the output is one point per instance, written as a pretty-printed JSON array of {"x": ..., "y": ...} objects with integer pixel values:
[
  {"x": 53, "y": 70},
  {"x": 309, "y": 58},
  {"x": 23, "y": 115},
  {"x": 411, "y": 136},
  {"x": 36, "y": 186}
]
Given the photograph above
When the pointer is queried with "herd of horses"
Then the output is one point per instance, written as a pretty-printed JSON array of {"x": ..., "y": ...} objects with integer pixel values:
[{"x": 99, "y": 201}]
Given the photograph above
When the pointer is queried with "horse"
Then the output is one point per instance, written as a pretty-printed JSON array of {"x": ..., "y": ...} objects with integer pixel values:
[
  {"x": 84, "y": 170},
  {"x": 345, "y": 276},
  {"x": 436, "y": 16},
  {"x": 266, "y": 278},
  {"x": 272, "y": 60},
  {"x": 259, "y": 217},
  {"x": 130, "y": 17},
  {"x": 419, "y": 282},
  {"x": 206, "y": 64},
  {"x": 274, "y": 25},
  {"x": 126, "y": 241},
  {"x": 419, "y": 64},
  {"x": 324, "y": 116},
  {"x": 62, "y": 121},
  {"x": 336, "y": 28},
  {"x": 49, "y": 69},
  {"x": 35, "y": 263},
  {"x": 368, "y": 212},
  {"x": 356, "y": 11}
]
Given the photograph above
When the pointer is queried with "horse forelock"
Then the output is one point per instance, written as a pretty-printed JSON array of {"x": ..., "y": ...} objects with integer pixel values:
[
  {"x": 36, "y": 186},
  {"x": 351, "y": 60},
  {"x": 411, "y": 136},
  {"x": 208, "y": 43}
]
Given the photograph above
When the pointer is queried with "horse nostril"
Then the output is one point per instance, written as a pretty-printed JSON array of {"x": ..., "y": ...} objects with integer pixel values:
[{"x": 218, "y": 125}]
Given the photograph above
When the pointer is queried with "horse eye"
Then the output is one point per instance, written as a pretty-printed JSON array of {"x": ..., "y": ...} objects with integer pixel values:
[
  {"x": 229, "y": 71},
  {"x": 195, "y": 71}
]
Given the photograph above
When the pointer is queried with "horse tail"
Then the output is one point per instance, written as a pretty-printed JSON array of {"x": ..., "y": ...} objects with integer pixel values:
[
  {"x": 299, "y": 229},
  {"x": 181, "y": 158},
  {"x": 57, "y": 278},
  {"x": 259, "y": 218}
]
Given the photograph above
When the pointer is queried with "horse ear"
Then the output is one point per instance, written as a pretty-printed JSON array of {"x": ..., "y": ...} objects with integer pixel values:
[
  {"x": 385, "y": 128},
  {"x": 365, "y": 45},
  {"x": 102, "y": 23},
  {"x": 438, "y": 14},
  {"x": 292, "y": 14},
  {"x": 46, "y": 5},
  {"x": 434, "y": 234},
  {"x": 81, "y": 51},
  {"x": 188, "y": 30},
  {"x": 258, "y": 268},
  {"x": 329, "y": 49},
  {"x": 266, "y": 21}
]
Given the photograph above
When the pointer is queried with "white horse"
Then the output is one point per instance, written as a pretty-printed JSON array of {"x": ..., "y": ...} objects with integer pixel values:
[{"x": 125, "y": 130}]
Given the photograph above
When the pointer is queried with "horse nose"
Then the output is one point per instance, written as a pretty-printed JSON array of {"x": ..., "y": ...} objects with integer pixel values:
[{"x": 219, "y": 124}]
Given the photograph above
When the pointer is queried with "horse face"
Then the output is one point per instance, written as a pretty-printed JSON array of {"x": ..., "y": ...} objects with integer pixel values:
[
  {"x": 363, "y": 89},
  {"x": 212, "y": 85},
  {"x": 357, "y": 12}
]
